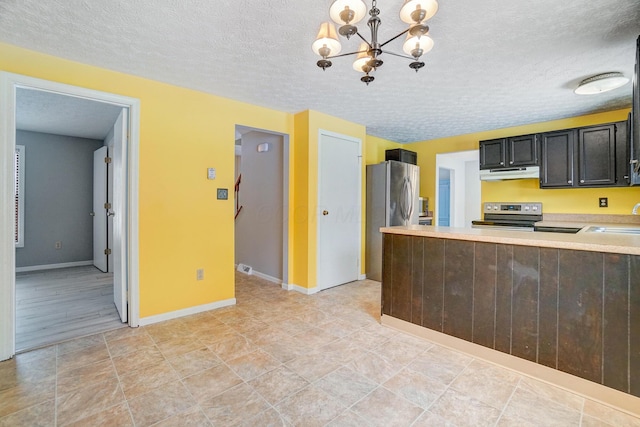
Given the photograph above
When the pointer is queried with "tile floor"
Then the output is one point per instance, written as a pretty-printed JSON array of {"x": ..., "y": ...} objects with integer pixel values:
[{"x": 278, "y": 358}]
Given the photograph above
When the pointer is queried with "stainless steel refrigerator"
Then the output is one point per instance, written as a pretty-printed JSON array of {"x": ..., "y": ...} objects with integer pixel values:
[{"x": 392, "y": 199}]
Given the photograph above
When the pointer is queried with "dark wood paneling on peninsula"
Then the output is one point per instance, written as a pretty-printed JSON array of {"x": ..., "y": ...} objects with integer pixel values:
[{"x": 576, "y": 311}]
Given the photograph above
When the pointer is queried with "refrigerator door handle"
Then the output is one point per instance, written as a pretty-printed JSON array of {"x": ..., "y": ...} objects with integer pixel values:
[{"x": 406, "y": 199}]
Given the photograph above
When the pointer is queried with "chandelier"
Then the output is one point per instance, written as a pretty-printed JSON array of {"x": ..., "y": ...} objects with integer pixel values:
[{"x": 347, "y": 13}]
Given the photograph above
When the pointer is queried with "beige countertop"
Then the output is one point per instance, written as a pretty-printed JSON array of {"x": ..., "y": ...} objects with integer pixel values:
[{"x": 582, "y": 241}]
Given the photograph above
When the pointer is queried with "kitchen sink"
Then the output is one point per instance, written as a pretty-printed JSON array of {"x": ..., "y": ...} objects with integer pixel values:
[{"x": 615, "y": 229}]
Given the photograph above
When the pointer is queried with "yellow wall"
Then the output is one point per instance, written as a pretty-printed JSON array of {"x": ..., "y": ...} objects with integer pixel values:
[
  {"x": 582, "y": 200},
  {"x": 182, "y": 133},
  {"x": 375, "y": 148},
  {"x": 307, "y": 125}
]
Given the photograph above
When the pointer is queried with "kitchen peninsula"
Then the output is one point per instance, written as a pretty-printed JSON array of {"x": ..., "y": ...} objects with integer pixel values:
[{"x": 569, "y": 302}]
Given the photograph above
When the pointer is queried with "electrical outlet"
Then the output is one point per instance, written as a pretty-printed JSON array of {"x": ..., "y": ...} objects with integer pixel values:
[
  {"x": 223, "y": 193},
  {"x": 58, "y": 245},
  {"x": 200, "y": 274},
  {"x": 603, "y": 202}
]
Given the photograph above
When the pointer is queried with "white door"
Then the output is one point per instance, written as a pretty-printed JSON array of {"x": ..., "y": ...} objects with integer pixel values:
[
  {"x": 118, "y": 213},
  {"x": 339, "y": 210},
  {"x": 100, "y": 223}
]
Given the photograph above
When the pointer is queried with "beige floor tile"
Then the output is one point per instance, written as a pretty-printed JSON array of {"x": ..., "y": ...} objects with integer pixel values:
[
  {"x": 309, "y": 407},
  {"x": 315, "y": 337},
  {"x": 346, "y": 385},
  {"x": 315, "y": 365},
  {"x": 193, "y": 417},
  {"x": 129, "y": 344},
  {"x": 232, "y": 347},
  {"x": 160, "y": 404},
  {"x": 86, "y": 356},
  {"x": 588, "y": 421},
  {"x": 115, "y": 416},
  {"x": 375, "y": 367},
  {"x": 552, "y": 393},
  {"x": 487, "y": 383},
  {"x": 83, "y": 376},
  {"x": 179, "y": 346},
  {"x": 416, "y": 387},
  {"x": 513, "y": 421},
  {"x": 80, "y": 344},
  {"x": 41, "y": 354},
  {"x": 230, "y": 407},
  {"x": 440, "y": 364},
  {"x": 253, "y": 364},
  {"x": 278, "y": 384},
  {"x": 535, "y": 408},
  {"x": 401, "y": 351},
  {"x": 211, "y": 382},
  {"x": 88, "y": 400},
  {"x": 429, "y": 419},
  {"x": 122, "y": 333},
  {"x": 170, "y": 329},
  {"x": 141, "y": 381},
  {"x": 348, "y": 419},
  {"x": 25, "y": 395},
  {"x": 19, "y": 371},
  {"x": 609, "y": 415},
  {"x": 43, "y": 414},
  {"x": 462, "y": 410},
  {"x": 195, "y": 361},
  {"x": 385, "y": 409},
  {"x": 140, "y": 359},
  {"x": 268, "y": 418}
]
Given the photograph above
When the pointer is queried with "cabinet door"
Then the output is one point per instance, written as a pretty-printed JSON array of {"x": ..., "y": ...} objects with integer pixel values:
[
  {"x": 623, "y": 169},
  {"x": 597, "y": 155},
  {"x": 523, "y": 150},
  {"x": 557, "y": 153},
  {"x": 493, "y": 153}
]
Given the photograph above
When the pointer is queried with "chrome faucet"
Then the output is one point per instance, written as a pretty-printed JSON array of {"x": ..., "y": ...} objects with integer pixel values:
[{"x": 634, "y": 211}]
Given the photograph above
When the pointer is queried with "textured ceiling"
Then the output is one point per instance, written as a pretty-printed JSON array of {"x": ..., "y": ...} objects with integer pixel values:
[
  {"x": 495, "y": 64},
  {"x": 41, "y": 111}
]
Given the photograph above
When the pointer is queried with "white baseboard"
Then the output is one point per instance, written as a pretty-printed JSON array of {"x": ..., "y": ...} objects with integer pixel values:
[
  {"x": 267, "y": 277},
  {"x": 362, "y": 277},
  {"x": 306, "y": 291},
  {"x": 53, "y": 266},
  {"x": 186, "y": 312}
]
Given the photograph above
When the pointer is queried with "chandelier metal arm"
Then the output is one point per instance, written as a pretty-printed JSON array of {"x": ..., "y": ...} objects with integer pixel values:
[
  {"x": 346, "y": 54},
  {"x": 393, "y": 38},
  {"x": 398, "y": 55},
  {"x": 363, "y": 39}
]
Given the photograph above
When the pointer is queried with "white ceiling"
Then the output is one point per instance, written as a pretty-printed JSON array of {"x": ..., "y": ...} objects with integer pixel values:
[{"x": 495, "y": 64}]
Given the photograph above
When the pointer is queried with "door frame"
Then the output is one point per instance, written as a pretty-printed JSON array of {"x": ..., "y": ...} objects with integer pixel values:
[
  {"x": 321, "y": 133},
  {"x": 9, "y": 82}
]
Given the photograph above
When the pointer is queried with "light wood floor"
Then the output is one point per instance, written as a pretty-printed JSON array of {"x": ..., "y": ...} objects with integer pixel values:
[{"x": 57, "y": 305}]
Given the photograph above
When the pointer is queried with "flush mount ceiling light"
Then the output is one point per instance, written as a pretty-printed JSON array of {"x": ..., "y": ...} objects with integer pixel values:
[
  {"x": 347, "y": 13},
  {"x": 601, "y": 83}
]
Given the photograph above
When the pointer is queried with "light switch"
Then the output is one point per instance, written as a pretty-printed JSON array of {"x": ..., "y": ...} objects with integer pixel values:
[{"x": 211, "y": 173}]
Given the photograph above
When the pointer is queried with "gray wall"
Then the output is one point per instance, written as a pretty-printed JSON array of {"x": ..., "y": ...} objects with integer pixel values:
[
  {"x": 259, "y": 232},
  {"x": 58, "y": 198}
]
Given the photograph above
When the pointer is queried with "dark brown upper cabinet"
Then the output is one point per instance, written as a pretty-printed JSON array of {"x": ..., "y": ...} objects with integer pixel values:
[
  {"x": 504, "y": 153},
  {"x": 594, "y": 156}
]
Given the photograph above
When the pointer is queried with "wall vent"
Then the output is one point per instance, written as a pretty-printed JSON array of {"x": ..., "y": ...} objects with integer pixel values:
[{"x": 247, "y": 269}]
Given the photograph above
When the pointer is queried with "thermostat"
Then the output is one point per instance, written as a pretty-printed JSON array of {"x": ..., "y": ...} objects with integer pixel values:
[{"x": 211, "y": 173}]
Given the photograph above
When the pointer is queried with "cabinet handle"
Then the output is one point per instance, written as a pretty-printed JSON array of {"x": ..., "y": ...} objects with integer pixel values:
[
  {"x": 569, "y": 182},
  {"x": 502, "y": 163},
  {"x": 582, "y": 181},
  {"x": 511, "y": 162}
]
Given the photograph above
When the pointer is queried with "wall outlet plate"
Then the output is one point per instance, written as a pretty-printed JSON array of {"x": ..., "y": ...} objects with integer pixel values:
[
  {"x": 603, "y": 202},
  {"x": 223, "y": 193}
]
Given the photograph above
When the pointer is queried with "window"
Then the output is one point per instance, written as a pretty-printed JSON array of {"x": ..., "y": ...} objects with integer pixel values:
[{"x": 19, "y": 192}]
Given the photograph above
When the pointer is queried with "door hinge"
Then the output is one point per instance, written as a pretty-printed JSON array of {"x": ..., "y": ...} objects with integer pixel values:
[
  {"x": 107, "y": 251},
  {"x": 107, "y": 159},
  {"x": 107, "y": 205}
]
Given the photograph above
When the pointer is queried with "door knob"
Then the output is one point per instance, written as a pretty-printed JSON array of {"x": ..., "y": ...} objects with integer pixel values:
[
  {"x": 111, "y": 214},
  {"x": 325, "y": 213}
]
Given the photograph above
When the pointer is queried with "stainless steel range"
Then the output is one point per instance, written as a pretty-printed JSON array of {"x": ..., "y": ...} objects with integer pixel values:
[{"x": 509, "y": 216}]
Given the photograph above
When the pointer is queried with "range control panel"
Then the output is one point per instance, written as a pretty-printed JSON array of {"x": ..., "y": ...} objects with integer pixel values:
[{"x": 513, "y": 208}]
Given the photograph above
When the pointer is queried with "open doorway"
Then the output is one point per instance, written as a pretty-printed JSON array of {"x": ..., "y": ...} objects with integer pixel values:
[
  {"x": 458, "y": 200},
  {"x": 261, "y": 195},
  {"x": 39, "y": 96}
]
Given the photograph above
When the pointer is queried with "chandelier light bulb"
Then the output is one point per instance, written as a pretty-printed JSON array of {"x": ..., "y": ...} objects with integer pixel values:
[
  {"x": 417, "y": 46},
  {"x": 326, "y": 42},
  {"x": 362, "y": 60},
  {"x": 347, "y": 11},
  {"x": 417, "y": 11}
]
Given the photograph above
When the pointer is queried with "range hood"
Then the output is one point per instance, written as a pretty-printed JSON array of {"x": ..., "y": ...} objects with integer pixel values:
[{"x": 510, "y": 173}]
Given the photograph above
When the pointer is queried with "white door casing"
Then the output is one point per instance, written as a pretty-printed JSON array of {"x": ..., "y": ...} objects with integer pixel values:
[
  {"x": 117, "y": 215},
  {"x": 9, "y": 82},
  {"x": 339, "y": 209},
  {"x": 99, "y": 213}
]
